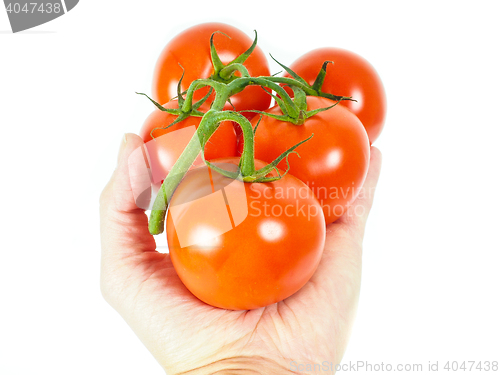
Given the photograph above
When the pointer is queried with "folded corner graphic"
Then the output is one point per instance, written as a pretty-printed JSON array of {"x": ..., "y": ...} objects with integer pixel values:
[
  {"x": 27, "y": 14},
  {"x": 70, "y": 4}
]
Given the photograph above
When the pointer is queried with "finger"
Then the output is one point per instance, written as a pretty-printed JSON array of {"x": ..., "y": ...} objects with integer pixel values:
[
  {"x": 336, "y": 283},
  {"x": 124, "y": 224},
  {"x": 344, "y": 237},
  {"x": 339, "y": 272},
  {"x": 353, "y": 222}
]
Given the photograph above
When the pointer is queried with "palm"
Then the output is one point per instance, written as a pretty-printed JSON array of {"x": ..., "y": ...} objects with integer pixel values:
[{"x": 300, "y": 327}]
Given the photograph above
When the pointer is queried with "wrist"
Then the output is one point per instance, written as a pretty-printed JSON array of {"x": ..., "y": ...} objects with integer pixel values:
[{"x": 241, "y": 366}]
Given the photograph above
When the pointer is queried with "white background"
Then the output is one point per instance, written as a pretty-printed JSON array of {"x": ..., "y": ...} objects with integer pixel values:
[{"x": 430, "y": 285}]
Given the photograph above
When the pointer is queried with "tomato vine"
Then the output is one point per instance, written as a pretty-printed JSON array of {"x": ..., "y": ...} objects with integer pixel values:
[{"x": 226, "y": 81}]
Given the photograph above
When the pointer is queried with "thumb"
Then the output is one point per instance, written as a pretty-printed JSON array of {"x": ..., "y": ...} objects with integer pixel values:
[
  {"x": 124, "y": 224},
  {"x": 129, "y": 188}
]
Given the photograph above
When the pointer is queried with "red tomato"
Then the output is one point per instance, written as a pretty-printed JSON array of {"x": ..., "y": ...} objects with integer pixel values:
[
  {"x": 242, "y": 246},
  {"x": 191, "y": 49},
  {"x": 168, "y": 144},
  {"x": 333, "y": 163},
  {"x": 350, "y": 75}
]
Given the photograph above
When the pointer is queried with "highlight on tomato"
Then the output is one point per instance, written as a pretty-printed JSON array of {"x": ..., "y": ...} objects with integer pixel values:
[
  {"x": 349, "y": 75},
  {"x": 239, "y": 245}
]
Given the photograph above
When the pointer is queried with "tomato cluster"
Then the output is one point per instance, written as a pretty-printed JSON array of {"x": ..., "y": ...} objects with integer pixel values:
[{"x": 248, "y": 228}]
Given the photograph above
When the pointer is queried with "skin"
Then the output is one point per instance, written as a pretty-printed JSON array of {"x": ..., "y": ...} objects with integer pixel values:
[{"x": 187, "y": 336}]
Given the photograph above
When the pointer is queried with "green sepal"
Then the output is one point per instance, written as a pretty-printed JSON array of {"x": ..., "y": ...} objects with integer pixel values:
[
  {"x": 229, "y": 174},
  {"x": 180, "y": 98},
  {"x": 299, "y": 98},
  {"x": 199, "y": 103},
  {"x": 179, "y": 118},
  {"x": 173, "y": 111},
  {"x": 231, "y": 104},
  {"x": 278, "y": 100},
  {"x": 315, "y": 111},
  {"x": 257, "y": 125},
  {"x": 291, "y": 82},
  {"x": 226, "y": 72},
  {"x": 320, "y": 78},
  {"x": 268, "y": 168},
  {"x": 291, "y": 72},
  {"x": 279, "y": 176},
  {"x": 277, "y": 117},
  {"x": 244, "y": 56},
  {"x": 267, "y": 179},
  {"x": 282, "y": 105},
  {"x": 337, "y": 98},
  {"x": 216, "y": 61},
  {"x": 287, "y": 106}
]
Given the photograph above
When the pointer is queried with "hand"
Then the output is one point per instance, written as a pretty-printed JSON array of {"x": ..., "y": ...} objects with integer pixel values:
[{"x": 187, "y": 336}]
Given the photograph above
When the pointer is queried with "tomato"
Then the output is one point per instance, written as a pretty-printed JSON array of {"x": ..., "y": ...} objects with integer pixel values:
[
  {"x": 350, "y": 75},
  {"x": 241, "y": 245},
  {"x": 334, "y": 162},
  {"x": 191, "y": 50},
  {"x": 168, "y": 144}
]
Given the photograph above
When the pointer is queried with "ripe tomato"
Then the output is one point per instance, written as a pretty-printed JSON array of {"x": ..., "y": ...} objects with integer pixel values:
[
  {"x": 191, "y": 49},
  {"x": 350, "y": 75},
  {"x": 168, "y": 144},
  {"x": 241, "y": 245},
  {"x": 333, "y": 163}
]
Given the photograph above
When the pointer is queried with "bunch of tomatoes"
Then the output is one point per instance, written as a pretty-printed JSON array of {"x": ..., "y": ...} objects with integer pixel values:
[{"x": 248, "y": 189}]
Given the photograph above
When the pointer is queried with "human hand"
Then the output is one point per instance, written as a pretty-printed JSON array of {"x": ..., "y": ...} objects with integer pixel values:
[{"x": 188, "y": 336}]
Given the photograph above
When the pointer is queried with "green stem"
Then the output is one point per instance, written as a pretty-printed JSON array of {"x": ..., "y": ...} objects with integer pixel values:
[
  {"x": 240, "y": 83},
  {"x": 198, "y": 84},
  {"x": 247, "y": 161},
  {"x": 207, "y": 127},
  {"x": 293, "y": 83},
  {"x": 227, "y": 72},
  {"x": 175, "y": 175},
  {"x": 221, "y": 97}
]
